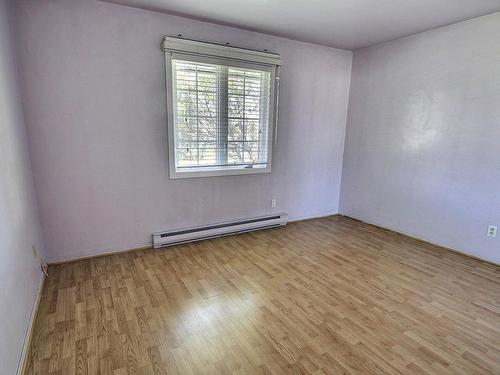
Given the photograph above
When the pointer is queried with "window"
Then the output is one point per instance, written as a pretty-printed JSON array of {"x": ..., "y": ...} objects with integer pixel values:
[{"x": 221, "y": 110}]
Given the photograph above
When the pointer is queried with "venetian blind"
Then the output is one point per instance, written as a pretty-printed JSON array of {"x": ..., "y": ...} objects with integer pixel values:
[{"x": 222, "y": 108}]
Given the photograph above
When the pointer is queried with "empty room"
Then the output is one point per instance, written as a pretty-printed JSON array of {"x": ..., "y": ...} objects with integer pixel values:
[{"x": 249, "y": 187}]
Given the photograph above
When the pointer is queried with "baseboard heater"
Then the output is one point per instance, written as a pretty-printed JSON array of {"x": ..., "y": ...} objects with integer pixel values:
[{"x": 178, "y": 236}]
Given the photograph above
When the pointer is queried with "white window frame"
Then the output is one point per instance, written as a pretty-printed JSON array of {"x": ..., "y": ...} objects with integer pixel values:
[{"x": 223, "y": 55}]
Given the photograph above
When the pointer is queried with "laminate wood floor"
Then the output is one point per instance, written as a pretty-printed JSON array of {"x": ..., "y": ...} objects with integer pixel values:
[{"x": 324, "y": 296}]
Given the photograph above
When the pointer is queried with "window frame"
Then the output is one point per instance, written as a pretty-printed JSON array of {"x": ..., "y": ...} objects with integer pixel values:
[{"x": 208, "y": 171}]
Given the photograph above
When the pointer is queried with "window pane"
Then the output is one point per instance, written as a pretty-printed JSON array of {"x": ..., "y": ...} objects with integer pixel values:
[
  {"x": 186, "y": 129},
  {"x": 252, "y": 107},
  {"x": 236, "y": 106},
  {"x": 235, "y": 152},
  {"x": 251, "y": 152},
  {"x": 187, "y": 154},
  {"x": 236, "y": 82},
  {"x": 221, "y": 115},
  {"x": 206, "y": 104},
  {"x": 252, "y": 84},
  {"x": 207, "y": 153},
  {"x": 186, "y": 103},
  {"x": 207, "y": 130},
  {"x": 252, "y": 130},
  {"x": 207, "y": 80},
  {"x": 235, "y": 130}
]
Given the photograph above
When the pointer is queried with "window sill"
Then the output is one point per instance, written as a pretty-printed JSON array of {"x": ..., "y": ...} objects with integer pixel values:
[{"x": 179, "y": 173}]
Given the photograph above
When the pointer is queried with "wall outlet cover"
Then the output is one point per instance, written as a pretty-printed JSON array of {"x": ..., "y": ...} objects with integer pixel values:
[{"x": 492, "y": 231}]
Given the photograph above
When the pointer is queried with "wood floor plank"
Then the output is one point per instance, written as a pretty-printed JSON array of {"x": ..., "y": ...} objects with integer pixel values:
[{"x": 324, "y": 296}]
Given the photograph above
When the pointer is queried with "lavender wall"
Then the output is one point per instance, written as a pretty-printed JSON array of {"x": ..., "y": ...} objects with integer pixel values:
[
  {"x": 93, "y": 78},
  {"x": 19, "y": 228},
  {"x": 422, "y": 152}
]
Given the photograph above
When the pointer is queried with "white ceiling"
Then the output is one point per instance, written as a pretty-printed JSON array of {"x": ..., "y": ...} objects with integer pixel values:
[{"x": 349, "y": 24}]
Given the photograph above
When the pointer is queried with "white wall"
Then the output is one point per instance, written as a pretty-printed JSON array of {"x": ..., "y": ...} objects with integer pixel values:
[
  {"x": 19, "y": 228},
  {"x": 422, "y": 152},
  {"x": 93, "y": 78}
]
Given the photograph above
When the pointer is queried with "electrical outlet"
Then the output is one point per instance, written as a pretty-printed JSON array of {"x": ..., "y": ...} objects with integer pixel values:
[
  {"x": 33, "y": 250},
  {"x": 492, "y": 230},
  {"x": 273, "y": 203}
]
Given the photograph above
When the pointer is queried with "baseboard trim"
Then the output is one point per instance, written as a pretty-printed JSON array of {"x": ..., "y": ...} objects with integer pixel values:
[
  {"x": 293, "y": 220},
  {"x": 312, "y": 217},
  {"x": 100, "y": 254},
  {"x": 23, "y": 360},
  {"x": 461, "y": 252},
  {"x": 147, "y": 246}
]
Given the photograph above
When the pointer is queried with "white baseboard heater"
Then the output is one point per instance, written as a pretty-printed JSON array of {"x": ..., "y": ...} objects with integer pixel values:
[{"x": 178, "y": 236}]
